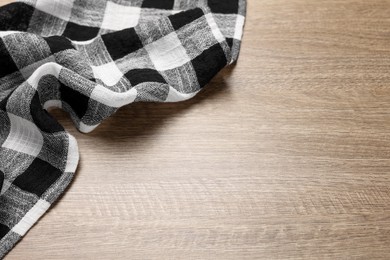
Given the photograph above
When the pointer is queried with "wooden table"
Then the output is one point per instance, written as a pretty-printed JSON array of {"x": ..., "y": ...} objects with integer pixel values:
[{"x": 285, "y": 155}]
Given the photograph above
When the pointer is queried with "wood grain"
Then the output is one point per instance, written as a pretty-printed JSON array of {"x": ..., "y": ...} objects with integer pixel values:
[{"x": 285, "y": 155}]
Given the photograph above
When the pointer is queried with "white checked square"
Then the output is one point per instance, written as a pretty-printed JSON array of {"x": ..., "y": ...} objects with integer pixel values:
[
  {"x": 108, "y": 73},
  {"x": 24, "y": 136},
  {"x": 239, "y": 27},
  {"x": 119, "y": 17},
  {"x": 58, "y": 8},
  {"x": 167, "y": 53}
]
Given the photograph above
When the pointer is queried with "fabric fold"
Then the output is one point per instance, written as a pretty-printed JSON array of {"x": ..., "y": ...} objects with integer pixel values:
[{"x": 89, "y": 58}]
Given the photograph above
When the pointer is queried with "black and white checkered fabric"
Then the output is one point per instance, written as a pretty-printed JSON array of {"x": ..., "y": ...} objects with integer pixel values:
[{"x": 91, "y": 57}]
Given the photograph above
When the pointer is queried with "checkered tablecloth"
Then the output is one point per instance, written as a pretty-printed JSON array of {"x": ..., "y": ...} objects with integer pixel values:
[{"x": 91, "y": 57}]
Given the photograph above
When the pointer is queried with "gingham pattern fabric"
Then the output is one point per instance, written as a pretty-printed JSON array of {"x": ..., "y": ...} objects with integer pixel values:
[{"x": 91, "y": 57}]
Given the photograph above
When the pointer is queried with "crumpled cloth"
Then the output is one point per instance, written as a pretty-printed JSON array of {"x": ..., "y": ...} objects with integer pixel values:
[{"x": 89, "y": 58}]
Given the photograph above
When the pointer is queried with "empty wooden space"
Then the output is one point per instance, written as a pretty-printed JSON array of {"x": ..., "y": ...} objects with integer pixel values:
[{"x": 284, "y": 155}]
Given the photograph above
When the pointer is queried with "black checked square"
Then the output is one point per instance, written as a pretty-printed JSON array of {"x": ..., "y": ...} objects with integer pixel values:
[
  {"x": 223, "y": 7},
  {"x": 15, "y": 17},
  {"x": 138, "y": 76},
  {"x": 38, "y": 177},
  {"x": 122, "y": 43},
  {"x": 158, "y": 4},
  {"x": 58, "y": 43},
  {"x": 3, "y": 230},
  {"x": 180, "y": 19},
  {"x": 1, "y": 179},
  {"x": 230, "y": 42},
  {"x": 75, "y": 99},
  {"x": 209, "y": 63},
  {"x": 7, "y": 64},
  {"x": 3, "y": 103},
  {"x": 78, "y": 32}
]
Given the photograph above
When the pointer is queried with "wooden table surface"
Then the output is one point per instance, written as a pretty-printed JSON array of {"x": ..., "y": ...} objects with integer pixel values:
[{"x": 285, "y": 155}]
